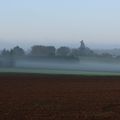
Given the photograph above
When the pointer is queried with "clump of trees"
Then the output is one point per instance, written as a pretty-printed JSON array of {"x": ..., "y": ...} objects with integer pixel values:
[
  {"x": 7, "y": 57},
  {"x": 40, "y": 51},
  {"x": 49, "y": 51},
  {"x": 15, "y": 52}
]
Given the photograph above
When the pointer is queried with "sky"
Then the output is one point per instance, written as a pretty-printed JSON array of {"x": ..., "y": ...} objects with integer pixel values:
[{"x": 60, "y": 23}]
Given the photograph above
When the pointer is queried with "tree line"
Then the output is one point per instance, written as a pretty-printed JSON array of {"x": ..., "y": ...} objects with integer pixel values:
[
  {"x": 48, "y": 51},
  {"x": 8, "y": 57}
]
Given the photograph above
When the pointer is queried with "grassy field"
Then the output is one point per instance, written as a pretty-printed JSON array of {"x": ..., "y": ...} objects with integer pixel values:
[{"x": 57, "y": 71}]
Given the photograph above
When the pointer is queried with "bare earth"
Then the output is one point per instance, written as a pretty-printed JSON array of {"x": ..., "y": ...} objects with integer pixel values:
[{"x": 59, "y": 97}]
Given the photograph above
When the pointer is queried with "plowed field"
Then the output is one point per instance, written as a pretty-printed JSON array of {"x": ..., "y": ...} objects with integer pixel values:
[{"x": 59, "y": 97}]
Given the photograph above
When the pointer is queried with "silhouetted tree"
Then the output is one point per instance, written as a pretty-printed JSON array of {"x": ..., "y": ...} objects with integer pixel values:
[
  {"x": 17, "y": 52},
  {"x": 7, "y": 59},
  {"x": 75, "y": 52},
  {"x": 63, "y": 51},
  {"x": 106, "y": 55},
  {"x": 51, "y": 50},
  {"x": 5, "y": 53}
]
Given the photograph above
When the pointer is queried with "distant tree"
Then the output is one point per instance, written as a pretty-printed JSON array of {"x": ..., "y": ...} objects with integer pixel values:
[
  {"x": 6, "y": 59},
  {"x": 63, "y": 51},
  {"x": 75, "y": 52},
  {"x": 5, "y": 53},
  {"x": 51, "y": 50},
  {"x": 106, "y": 55},
  {"x": 17, "y": 52}
]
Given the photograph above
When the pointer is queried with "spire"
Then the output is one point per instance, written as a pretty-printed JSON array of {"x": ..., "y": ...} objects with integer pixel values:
[{"x": 82, "y": 46}]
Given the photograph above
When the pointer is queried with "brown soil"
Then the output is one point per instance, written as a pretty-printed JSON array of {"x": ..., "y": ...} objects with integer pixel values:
[{"x": 59, "y": 97}]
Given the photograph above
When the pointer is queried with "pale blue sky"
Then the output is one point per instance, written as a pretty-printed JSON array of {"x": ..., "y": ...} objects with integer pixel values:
[{"x": 59, "y": 22}]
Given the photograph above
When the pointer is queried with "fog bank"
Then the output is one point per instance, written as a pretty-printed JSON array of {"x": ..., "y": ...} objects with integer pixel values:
[{"x": 80, "y": 65}]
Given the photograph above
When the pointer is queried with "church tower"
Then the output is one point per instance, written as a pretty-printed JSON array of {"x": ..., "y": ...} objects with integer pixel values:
[{"x": 82, "y": 46}]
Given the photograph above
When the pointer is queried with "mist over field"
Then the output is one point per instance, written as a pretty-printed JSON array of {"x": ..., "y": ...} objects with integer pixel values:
[{"x": 82, "y": 65}]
